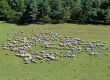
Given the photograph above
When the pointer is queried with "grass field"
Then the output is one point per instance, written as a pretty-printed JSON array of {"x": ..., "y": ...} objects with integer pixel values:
[{"x": 84, "y": 67}]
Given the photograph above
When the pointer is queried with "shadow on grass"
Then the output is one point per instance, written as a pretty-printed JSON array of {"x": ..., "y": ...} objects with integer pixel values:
[
  {"x": 88, "y": 23},
  {"x": 69, "y": 22}
]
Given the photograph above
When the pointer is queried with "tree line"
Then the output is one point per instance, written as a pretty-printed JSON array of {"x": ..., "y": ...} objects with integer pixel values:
[{"x": 55, "y": 11}]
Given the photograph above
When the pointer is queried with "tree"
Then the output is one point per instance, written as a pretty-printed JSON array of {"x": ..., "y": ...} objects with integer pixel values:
[
  {"x": 66, "y": 4},
  {"x": 76, "y": 9},
  {"x": 108, "y": 15},
  {"x": 43, "y": 11},
  {"x": 29, "y": 15},
  {"x": 56, "y": 13},
  {"x": 6, "y": 12}
]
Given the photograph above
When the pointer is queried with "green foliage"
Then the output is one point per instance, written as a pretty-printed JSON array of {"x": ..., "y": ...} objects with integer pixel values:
[
  {"x": 30, "y": 11},
  {"x": 76, "y": 8},
  {"x": 43, "y": 11},
  {"x": 66, "y": 4},
  {"x": 56, "y": 14},
  {"x": 6, "y": 12},
  {"x": 55, "y": 11}
]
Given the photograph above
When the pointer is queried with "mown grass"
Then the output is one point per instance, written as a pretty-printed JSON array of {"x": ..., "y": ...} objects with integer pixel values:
[{"x": 83, "y": 67}]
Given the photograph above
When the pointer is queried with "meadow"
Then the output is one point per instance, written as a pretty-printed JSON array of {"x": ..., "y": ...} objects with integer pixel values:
[{"x": 83, "y": 67}]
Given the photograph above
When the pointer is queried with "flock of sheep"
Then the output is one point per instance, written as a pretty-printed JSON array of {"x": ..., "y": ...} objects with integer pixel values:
[{"x": 54, "y": 46}]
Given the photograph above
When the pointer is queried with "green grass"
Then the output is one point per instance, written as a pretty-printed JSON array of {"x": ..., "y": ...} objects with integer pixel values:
[{"x": 84, "y": 67}]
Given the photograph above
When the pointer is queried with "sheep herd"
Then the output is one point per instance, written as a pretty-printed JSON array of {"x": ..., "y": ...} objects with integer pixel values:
[{"x": 52, "y": 46}]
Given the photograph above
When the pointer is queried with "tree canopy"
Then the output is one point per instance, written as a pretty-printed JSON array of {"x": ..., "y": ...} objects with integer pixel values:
[{"x": 55, "y": 11}]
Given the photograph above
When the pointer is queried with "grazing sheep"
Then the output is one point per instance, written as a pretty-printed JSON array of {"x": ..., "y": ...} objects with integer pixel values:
[{"x": 21, "y": 43}]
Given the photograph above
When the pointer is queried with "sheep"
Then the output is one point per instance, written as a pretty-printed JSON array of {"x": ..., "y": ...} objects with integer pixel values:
[{"x": 22, "y": 43}]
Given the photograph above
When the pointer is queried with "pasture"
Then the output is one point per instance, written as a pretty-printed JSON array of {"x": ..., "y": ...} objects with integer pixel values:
[{"x": 83, "y": 67}]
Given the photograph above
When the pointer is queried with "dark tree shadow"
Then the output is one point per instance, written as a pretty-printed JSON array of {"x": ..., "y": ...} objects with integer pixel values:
[{"x": 57, "y": 22}]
